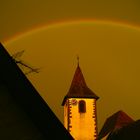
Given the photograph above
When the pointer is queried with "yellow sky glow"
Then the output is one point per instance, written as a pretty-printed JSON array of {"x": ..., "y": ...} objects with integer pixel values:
[{"x": 109, "y": 59}]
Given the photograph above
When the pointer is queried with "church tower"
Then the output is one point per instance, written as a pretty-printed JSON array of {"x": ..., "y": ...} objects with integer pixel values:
[{"x": 80, "y": 109}]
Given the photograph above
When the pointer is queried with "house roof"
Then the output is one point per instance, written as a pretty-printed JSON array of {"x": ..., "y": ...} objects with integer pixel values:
[
  {"x": 29, "y": 99},
  {"x": 79, "y": 88},
  {"x": 115, "y": 122},
  {"x": 128, "y": 132}
]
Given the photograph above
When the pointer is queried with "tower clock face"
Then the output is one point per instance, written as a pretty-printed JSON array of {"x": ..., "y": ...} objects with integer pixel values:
[{"x": 74, "y": 102}]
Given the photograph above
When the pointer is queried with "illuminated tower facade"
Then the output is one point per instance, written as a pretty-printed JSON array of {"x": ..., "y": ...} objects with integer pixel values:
[{"x": 80, "y": 109}]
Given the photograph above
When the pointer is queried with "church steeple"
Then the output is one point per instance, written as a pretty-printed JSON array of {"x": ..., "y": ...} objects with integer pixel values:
[
  {"x": 79, "y": 88},
  {"x": 80, "y": 109}
]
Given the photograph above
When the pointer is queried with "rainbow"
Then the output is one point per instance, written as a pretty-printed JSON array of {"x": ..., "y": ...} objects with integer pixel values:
[{"x": 61, "y": 23}]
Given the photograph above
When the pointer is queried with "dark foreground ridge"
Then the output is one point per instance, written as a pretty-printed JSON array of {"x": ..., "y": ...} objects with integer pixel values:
[{"x": 23, "y": 112}]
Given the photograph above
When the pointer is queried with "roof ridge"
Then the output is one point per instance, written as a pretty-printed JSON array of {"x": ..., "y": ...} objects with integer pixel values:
[{"x": 122, "y": 119}]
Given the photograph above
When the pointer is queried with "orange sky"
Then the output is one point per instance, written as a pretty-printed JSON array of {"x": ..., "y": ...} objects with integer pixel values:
[{"x": 108, "y": 50}]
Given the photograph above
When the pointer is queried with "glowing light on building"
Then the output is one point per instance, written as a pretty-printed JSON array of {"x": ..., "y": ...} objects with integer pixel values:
[{"x": 80, "y": 109}]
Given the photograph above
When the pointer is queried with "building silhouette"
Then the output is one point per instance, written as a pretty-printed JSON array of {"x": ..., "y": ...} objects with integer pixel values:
[
  {"x": 80, "y": 109},
  {"x": 114, "y": 123},
  {"x": 128, "y": 132},
  {"x": 24, "y": 115}
]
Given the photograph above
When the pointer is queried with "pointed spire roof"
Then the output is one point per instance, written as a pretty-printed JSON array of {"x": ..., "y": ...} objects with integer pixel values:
[
  {"x": 79, "y": 88},
  {"x": 115, "y": 122}
]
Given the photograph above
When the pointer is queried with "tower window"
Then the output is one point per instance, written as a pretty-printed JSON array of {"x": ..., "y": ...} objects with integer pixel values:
[{"x": 82, "y": 106}]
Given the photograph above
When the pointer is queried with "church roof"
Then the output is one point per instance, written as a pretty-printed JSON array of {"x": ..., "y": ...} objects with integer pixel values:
[
  {"x": 29, "y": 100},
  {"x": 79, "y": 88},
  {"x": 115, "y": 122}
]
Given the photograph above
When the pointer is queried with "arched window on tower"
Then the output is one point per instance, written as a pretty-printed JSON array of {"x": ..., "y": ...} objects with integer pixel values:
[{"x": 82, "y": 106}]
